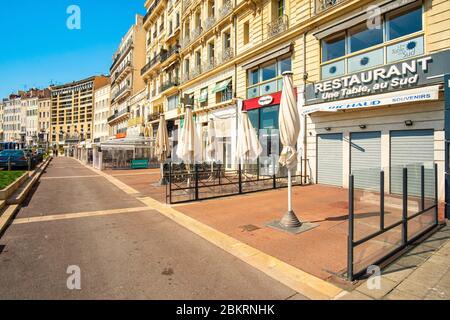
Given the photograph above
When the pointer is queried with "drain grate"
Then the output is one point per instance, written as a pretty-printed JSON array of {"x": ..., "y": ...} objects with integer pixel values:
[{"x": 249, "y": 228}]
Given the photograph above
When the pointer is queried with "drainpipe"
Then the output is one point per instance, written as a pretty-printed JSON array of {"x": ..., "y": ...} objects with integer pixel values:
[{"x": 305, "y": 137}]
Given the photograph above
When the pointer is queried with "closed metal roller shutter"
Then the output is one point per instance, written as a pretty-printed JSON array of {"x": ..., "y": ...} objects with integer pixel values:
[
  {"x": 412, "y": 149},
  {"x": 366, "y": 159},
  {"x": 329, "y": 159}
]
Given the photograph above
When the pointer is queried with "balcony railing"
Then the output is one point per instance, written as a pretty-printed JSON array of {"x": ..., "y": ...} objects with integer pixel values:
[
  {"x": 120, "y": 92},
  {"x": 169, "y": 84},
  {"x": 119, "y": 72},
  {"x": 209, "y": 22},
  {"x": 151, "y": 9},
  {"x": 154, "y": 116},
  {"x": 118, "y": 114},
  {"x": 209, "y": 64},
  {"x": 225, "y": 9},
  {"x": 186, "y": 4},
  {"x": 196, "y": 71},
  {"x": 196, "y": 33},
  {"x": 322, "y": 5},
  {"x": 150, "y": 64},
  {"x": 278, "y": 26},
  {"x": 166, "y": 54},
  {"x": 185, "y": 41},
  {"x": 227, "y": 55},
  {"x": 120, "y": 54}
]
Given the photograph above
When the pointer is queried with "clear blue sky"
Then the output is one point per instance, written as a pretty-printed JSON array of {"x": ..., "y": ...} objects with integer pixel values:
[{"x": 37, "y": 47}]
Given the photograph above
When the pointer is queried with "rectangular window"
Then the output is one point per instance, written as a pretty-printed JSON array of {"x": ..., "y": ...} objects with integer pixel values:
[
  {"x": 333, "y": 47},
  {"x": 226, "y": 40},
  {"x": 269, "y": 71},
  {"x": 361, "y": 37},
  {"x": 253, "y": 77},
  {"x": 402, "y": 23}
]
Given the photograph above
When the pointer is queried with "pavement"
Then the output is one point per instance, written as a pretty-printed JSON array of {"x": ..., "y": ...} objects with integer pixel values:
[{"x": 76, "y": 218}]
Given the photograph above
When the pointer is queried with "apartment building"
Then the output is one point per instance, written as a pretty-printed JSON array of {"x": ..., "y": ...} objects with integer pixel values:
[
  {"x": 161, "y": 73},
  {"x": 30, "y": 116},
  {"x": 11, "y": 117},
  {"x": 44, "y": 111},
  {"x": 138, "y": 114},
  {"x": 72, "y": 110},
  {"x": 126, "y": 80},
  {"x": 102, "y": 98},
  {"x": 2, "y": 108}
]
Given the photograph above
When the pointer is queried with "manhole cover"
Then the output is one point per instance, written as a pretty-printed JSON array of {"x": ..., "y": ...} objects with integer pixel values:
[{"x": 249, "y": 228}]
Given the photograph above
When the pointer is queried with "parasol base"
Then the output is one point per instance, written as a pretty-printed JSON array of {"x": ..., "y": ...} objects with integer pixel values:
[
  {"x": 291, "y": 224},
  {"x": 163, "y": 182}
]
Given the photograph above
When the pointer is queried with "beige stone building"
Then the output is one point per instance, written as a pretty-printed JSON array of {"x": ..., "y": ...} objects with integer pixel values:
[
  {"x": 44, "y": 112},
  {"x": 102, "y": 106},
  {"x": 72, "y": 110},
  {"x": 126, "y": 80},
  {"x": 368, "y": 75},
  {"x": 161, "y": 73}
]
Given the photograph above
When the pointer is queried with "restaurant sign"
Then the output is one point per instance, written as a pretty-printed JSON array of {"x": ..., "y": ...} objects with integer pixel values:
[{"x": 408, "y": 74}]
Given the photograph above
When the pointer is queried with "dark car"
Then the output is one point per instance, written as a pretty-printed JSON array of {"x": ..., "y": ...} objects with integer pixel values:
[{"x": 18, "y": 159}]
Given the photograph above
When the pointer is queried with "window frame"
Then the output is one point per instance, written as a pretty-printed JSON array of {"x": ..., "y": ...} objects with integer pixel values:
[{"x": 384, "y": 45}]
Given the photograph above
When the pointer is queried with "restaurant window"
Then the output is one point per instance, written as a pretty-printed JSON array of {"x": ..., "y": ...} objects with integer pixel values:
[
  {"x": 402, "y": 23},
  {"x": 362, "y": 47},
  {"x": 267, "y": 78}
]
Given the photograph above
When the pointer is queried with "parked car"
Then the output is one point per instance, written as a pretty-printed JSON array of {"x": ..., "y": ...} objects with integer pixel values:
[{"x": 18, "y": 158}]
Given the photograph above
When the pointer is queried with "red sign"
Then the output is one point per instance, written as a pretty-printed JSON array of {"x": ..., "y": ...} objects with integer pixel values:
[
  {"x": 121, "y": 135},
  {"x": 261, "y": 102}
]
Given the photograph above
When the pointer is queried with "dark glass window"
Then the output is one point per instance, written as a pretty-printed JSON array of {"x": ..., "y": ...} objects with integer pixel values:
[
  {"x": 404, "y": 23},
  {"x": 253, "y": 77},
  {"x": 361, "y": 37},
  {"x": 285, "y": 65},
  {"x": 269, "y": 71},
  {"x": 333, "y": 47}
]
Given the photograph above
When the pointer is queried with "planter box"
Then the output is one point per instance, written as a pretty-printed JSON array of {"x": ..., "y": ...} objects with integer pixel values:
[{"x": 9, "y": 190}]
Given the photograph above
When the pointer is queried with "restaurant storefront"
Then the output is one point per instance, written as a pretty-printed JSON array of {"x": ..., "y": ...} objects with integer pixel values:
[{"x": 384, "y": 118}]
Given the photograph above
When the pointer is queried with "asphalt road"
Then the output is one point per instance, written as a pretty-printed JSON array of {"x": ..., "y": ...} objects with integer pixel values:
[{"x": 126, "y": 252}]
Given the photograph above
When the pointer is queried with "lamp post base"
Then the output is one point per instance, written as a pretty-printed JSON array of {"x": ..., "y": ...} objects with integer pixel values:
[{"x": 291, "y": 224}]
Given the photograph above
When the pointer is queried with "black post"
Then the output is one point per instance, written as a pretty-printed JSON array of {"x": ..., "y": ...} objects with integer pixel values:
[
  {"x": 240, "y": 178},
  {"x": 274, "y": 178},
  {"x": 196, "y": 181},
  {"x": 382, "y": 200},
  {"x": 422, "y": 187},
  {"x": 405, "y": 208},
  {"x": 351, "y": 212},
  {"x": 9, "y": 163},
  {"x": 436, "y": 191},
  {"x": 170, "y": 182},
  {"x": 220, "y": 171}
]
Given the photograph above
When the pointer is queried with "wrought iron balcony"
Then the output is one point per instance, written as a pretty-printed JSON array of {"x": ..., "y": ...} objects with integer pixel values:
[
  {"x": 209, "y": 64},
  {"x": 226, "y": 55},
  {"x": 154, "y": 116},
  {"x": 322, "y": 5},
  {"x": 186, "y": 4},
  {"x": 169, "y": 84},
  {"x": 278, "y": 26},
  {"x": 209, "y": 22},
  {"x": 120, "y": 92},
  {"x": 156, "y": 59},
  {"x": 117, "y": 114},
  {"x": 151, "y": 9},
  {"x": 225, "y": 9},
  {"x": 166, "y": 54},
  {"x": 196, "y": 71},
  {"x": 119, "y": 72},
  {"x": 196, "y": 33},
  {"x": 185, "y": 41},
  {"x": 122, "y": 52}
]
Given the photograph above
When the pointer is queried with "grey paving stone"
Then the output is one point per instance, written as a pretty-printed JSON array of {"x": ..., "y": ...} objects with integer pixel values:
[{"x": 400, "y": 295}]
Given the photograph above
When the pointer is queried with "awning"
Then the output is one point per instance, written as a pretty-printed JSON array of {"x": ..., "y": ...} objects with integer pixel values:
[
  {"x": 221, "y": 86},
  {"x": 266, "y": 56},
  {"x": 203, "y": 95},
  {"x": 367, "y": 15},
  {"x": 396, "y": 97}
]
